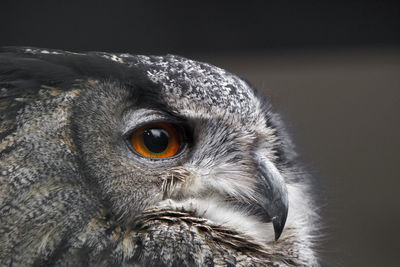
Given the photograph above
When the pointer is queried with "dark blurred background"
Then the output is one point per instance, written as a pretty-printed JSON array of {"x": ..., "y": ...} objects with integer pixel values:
[{"x": 331, "y": 68}]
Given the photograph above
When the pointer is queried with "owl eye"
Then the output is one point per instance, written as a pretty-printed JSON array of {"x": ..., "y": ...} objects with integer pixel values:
[{"x": 157, "y": 140}]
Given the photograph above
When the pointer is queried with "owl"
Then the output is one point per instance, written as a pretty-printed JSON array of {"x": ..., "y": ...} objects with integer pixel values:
[{"x": 131, "y": 160}]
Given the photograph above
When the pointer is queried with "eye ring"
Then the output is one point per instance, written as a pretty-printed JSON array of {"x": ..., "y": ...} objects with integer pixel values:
[{"x": 157, "y": 140}]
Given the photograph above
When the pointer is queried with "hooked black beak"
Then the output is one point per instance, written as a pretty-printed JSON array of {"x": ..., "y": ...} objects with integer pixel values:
[{"x": 274, "y": 196}]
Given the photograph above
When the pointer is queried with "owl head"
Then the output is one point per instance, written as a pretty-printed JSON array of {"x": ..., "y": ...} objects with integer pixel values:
[{"x": 145, "y": 149}]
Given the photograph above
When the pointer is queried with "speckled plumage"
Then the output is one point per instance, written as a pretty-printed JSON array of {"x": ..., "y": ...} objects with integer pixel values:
[{"x": 73, "y": 193}]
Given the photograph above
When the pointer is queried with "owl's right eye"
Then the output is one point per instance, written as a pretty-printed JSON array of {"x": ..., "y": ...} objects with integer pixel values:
[{"x": 157, "y": 140}]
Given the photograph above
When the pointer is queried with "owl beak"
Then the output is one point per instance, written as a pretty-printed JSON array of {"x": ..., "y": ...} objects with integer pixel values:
[
  {"x": 279, "y": 223},
  {"x": 275, "y": 202}
]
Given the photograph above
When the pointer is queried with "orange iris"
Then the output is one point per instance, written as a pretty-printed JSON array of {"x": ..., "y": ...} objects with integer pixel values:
[{"x": 157, "y": 140}]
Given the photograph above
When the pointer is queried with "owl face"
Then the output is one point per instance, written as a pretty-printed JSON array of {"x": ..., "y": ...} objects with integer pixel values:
[
  {"x": 121, "y": 160},
  {"x": 225, "y": 150}
]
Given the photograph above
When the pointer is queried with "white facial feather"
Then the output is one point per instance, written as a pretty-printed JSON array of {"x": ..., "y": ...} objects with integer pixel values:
[{"x": 222, "y": 214}]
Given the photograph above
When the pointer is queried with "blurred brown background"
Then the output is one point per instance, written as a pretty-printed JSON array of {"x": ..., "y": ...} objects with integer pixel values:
[{"x": 332, "y": 70}]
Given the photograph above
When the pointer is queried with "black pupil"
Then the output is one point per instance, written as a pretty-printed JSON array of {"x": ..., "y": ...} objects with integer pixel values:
[{"x": 156, "y": 139}]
